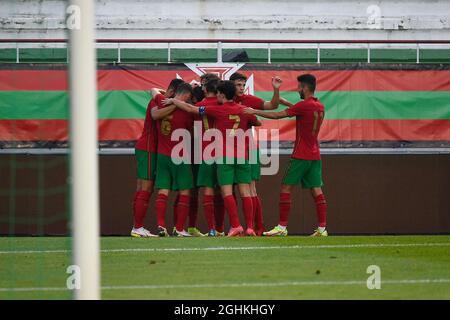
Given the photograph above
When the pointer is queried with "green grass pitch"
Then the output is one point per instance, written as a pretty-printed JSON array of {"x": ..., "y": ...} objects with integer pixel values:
[{"x": 294, "y": 267}]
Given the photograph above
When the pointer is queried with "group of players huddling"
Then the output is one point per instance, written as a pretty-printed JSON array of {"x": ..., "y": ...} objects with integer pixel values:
[{"x": 222, "y": 105}]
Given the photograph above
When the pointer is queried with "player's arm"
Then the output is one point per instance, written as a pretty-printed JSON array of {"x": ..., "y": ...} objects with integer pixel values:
[
  {"x": 182, "y": 105},
  {"x": 155, "y": 91},
  {"x": 273, "y": 104},
  {"x": 254, "y": 121},
  {"x": 158, "y": 114},
  {"x": 267, "y": 114},
  {"x": 285, "y": 102}
]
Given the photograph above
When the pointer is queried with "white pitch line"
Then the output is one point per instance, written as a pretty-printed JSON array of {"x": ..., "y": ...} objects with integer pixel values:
[
  {"x": 337, "y": 246},
  {"x": 237, "y": 285}
]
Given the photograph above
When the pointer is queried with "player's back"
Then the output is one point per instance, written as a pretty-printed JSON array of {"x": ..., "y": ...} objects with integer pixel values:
[
  {"x": 229, "y": 117},
  {"x": 178, "y": 119},
  {"x": 207, "y": 122},
  {"x": 147, "y": 140}
]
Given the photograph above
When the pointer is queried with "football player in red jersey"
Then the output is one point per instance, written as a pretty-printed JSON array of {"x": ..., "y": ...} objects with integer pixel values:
[
  {"x": 232, "y": 165},
  {"x": 254, "y": 102},
  {"x": 173, "y": 173},
  {"x": 305, "y": 167},
  {"x": 145, "y": 154},
  {"x": 206, "y": 173},
  {"x": 216, "y": 204},
  {"x": 219, "y": 210}
]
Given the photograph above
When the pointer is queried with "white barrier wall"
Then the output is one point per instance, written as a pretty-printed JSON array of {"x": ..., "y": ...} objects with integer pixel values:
[{"x": 249, "y": 19}]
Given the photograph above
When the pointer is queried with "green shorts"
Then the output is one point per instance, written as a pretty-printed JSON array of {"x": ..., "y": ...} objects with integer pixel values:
[
  {"x": 145, "y": 164},
  {"x": 207, "y": 175},
  {"x": 256, "y": 167},
  {"x": 195, "y": 169},
  {"x": 173, "y": 176},
  {"x": 306, "y": 172},
  {"x": 233, "y": 172}
]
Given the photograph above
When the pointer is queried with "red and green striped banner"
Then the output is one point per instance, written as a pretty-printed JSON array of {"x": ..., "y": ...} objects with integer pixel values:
[{"x": 361, "y": 105}]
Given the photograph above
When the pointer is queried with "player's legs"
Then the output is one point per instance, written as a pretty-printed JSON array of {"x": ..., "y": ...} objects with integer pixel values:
[
  {"x": 141, "y": 198},
  {"x": 247, "y": 207},
  {"x": 253, "y": 192},
  {"x": 193, "y": 214},
  {"x": 226, "y": 176},
  {"x": 294, "y": 174},
  {"x": 184, "y": 202},
  {"x": 175, "y": 212},
  {"x": 285, "y": 204},
  {"x": 143, "y": 192},
  {"x": 164, "y": 184},
  {"x": 321, "y": 211},
  {"x": 183, "y": 183},
  {"x": 231, "y": 208},
  {"x": 144, "y": 185},
  {"x": 312, "y": 180},
  {"x": 284, "y": 207},
  {"x": 161, "y": 206},
  {"x": 207, "y": 179},
  {"x": 208, "y": 209},
  {"x": 243, "y": 178},
  {"x": 193, "y": 208},
  {"x": 257, "y": 209},
  {"x": 321, "y": 208},
  {"x": 219, "y": 212},
  {"x": 256, "y": 200}
]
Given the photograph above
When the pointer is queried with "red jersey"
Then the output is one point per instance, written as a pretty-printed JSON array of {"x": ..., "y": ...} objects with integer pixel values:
[
  {"x": 250, "y": 101},
  {"x": 254, "y": 102},
  {"x": 148, "y": 139},
  {"x": 206, "y": 122},
  {"x": 229, "y": 117},
  {"x": 178, "y": 119},
  {"x": 309, "y": 117}
]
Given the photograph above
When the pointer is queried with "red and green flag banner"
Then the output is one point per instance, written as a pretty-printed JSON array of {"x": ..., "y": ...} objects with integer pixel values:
[{"x": 363, "y": 107}]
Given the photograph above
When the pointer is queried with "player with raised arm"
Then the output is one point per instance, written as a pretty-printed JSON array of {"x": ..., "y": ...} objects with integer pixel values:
[
  {"x": 145, "y": 154},
  {"x": 207, "y": 171},
  {"x": 172, "y": 176},
  {"x": 231, "y": 168},
  {"x": 254, "y": 102},
  {"x": 305, "y": 166}
]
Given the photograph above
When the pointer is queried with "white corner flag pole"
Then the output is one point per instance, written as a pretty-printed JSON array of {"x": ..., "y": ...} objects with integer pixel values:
[{"x": 83, "y": 144}]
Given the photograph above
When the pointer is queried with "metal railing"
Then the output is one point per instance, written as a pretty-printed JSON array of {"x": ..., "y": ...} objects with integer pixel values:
[{"x": 219, "y": 44}]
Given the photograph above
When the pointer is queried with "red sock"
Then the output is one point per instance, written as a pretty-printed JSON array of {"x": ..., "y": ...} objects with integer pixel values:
[
  {"x": 161, "y": 205},
  {"x": 257, "y": 209},
  {"x": 285, "y": 208},
  {"x": 208, "y": 209},
  {"x": 193, "y": 212},
  {"x": 140, "y": 205},
  {"x": 183, "y": 211},
  {"x": 321, "y": 210},
  {"x": 175, "y": 209},
  {"x": 219, "y": 212},
  {"x": 247, "y": 207},
  {"x": 230, "y": 205}
]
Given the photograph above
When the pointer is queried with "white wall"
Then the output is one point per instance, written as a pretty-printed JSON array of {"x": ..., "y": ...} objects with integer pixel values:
[{"x": 249, "y": 19}]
